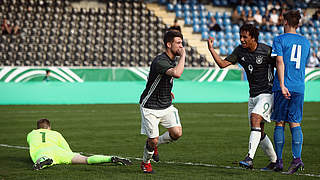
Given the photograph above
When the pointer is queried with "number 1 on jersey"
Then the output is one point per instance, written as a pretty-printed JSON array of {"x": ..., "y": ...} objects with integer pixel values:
[
  {"x": 43, "y": 136},
  {"x": 298, "y": 57}
]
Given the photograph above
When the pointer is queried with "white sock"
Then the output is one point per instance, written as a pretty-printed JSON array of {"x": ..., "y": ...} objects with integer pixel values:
[
  {"x": 267, "y": 147},
  {"x": 164, "y": 138},
  {"x": 147, "y": 155},
  {"x": 254, "y": 142}
]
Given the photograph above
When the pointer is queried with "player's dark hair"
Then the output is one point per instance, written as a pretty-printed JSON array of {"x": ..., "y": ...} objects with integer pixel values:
[
  {"x": 253, "y": 31},
  {"x": 43, "y": 124},
  {"x": 170, "y": 35},
  {"x": 293, "y": 17}
]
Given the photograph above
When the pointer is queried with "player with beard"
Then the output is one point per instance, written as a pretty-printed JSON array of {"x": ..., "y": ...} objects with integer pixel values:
[
  {"x": 156, "y": 100},
  {"x": 256, "y": 60}
]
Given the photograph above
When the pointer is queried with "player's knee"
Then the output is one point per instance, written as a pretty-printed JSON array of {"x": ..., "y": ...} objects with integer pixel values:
[{"x": 176, "y": 135}]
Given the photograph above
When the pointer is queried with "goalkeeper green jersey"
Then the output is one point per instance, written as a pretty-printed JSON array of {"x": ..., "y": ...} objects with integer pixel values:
[{"x": 42, "y": 141}]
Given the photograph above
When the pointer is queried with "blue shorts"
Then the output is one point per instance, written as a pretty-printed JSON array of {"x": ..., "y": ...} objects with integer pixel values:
[{"x": 288, "y": 110}]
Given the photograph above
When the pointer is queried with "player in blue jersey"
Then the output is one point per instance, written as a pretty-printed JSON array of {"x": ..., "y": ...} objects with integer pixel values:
[{"x": 291, "y": 51}]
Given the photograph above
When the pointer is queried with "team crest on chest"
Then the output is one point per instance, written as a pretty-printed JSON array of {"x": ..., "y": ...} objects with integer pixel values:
[{"x": 259, "y": 59}]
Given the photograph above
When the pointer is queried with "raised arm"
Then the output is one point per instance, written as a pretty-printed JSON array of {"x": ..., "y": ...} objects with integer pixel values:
[
  {"x": 221, "y": 63},
  {"x": 177, "y": 71}
]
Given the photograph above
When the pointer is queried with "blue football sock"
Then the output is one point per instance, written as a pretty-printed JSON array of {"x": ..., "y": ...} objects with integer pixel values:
[
  {"x": 278, "y": 137},
  {"x": 297, "y": 140}
]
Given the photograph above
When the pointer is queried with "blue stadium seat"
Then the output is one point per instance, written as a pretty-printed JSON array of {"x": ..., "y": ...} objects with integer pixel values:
[
  {"x": 202, "y": 8},
  {"x": 195, "y": 14},
  {"x": 204, "y": 21},
  {"x": 228, "y": 28},
  {"x": 246, "y": 9},
  {"x": 316, "y": 44},
  {"x": 229, "y": 35},
  {"x": 178, "y": 7},
  {"x": 262, "y": 9},
  {"x": 204, "y": 28},
  {"x": 223, "y": 50},
  {"x": 202, "y": 14},
  {"x": 230, "y": 50},
  {"x": 216, "y": 2},
  {"x": 162, "y": 1},
  {"x": 194, "y": 7},
  {"x": 226, "y": 15},
  {"x": 224, "y": 2},
  {"x": 274, "y": 29},
  {"x": 222, "y": 42},
  {"x": 235, "y": 28},
  {"x": 187, "y": 21},
  {"x": 218, "y": 15},
  {"x": 239, "y": 8},
  {"x": 268, "y": 36},
  {"x": 187, "y": 14},
  {"x": 179, "y": 14},
  {"x": 254, "y": 9},
  {"x": 170, "y": 7},
  {"x": 230, "y": 43},
  {"x": 220, "y": 35},
  {"x": 311, "y": 30},
  {"x": 236, "y": 36},
  {"x": 196, "y": 21},
  {"x": 204, "y": 35},
  {"x": 210, "y": 14},
  {"x": 196, "y": 28},
  {"x": 186, "y": 7},
  {"x": 226, "y": 22},
  {"x": 316, "y": 24},
  {"x": 219, "y": 21},
  {"x": 303, "y": 30}
]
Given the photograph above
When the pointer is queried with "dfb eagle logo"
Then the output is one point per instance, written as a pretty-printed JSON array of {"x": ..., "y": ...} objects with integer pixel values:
[{"x": 259, "y": 59}]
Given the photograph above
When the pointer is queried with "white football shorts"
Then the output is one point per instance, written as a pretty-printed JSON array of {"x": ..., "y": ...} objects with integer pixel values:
[
  {"x": 151, "y": 118},
  {"x": 262, "y": 105}
]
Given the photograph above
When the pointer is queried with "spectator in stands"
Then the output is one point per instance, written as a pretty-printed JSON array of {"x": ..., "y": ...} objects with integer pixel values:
[
  {"x": 274, "y": 17},
  {"x": 258, "y": 18},
  {"x": 250, "y": 18},
  {"x": 318, "y": 53},
  {"x": 277, "y": 6},
  {"x": 270, "y": 5},
  {"x": 306, "y": 19},
  {"x": 243, "y": 18},
  {"x": 7, "y": 29},
  {"x": 266, "y": 21},
  {"x": 281, "y": 18},
  {"x": 316, "y": 15},
  {"x": 313, "y": 61},
  {"x": 175, "y": 25},
  {"x": 213, "y": 25},
  {"x": 235, "y": 17}
]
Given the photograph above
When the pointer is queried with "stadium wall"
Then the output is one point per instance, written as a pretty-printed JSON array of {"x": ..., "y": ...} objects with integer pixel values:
[{"x": 24, "y": 85}]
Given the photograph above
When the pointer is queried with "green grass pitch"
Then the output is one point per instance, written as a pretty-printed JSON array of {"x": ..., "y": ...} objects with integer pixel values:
[{"x": 215, "y": 137}]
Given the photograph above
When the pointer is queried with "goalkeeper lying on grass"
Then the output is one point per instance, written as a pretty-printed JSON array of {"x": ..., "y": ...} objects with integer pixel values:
[{"x": 48, "y": 147}]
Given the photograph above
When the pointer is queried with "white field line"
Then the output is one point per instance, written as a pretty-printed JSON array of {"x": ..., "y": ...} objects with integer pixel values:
[{"x": 173, "y": 162}]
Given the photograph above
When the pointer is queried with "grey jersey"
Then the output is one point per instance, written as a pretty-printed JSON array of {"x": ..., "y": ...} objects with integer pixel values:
[
  {"x": 259, "y": 67},
  {"x": 157, "y": 94}
]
